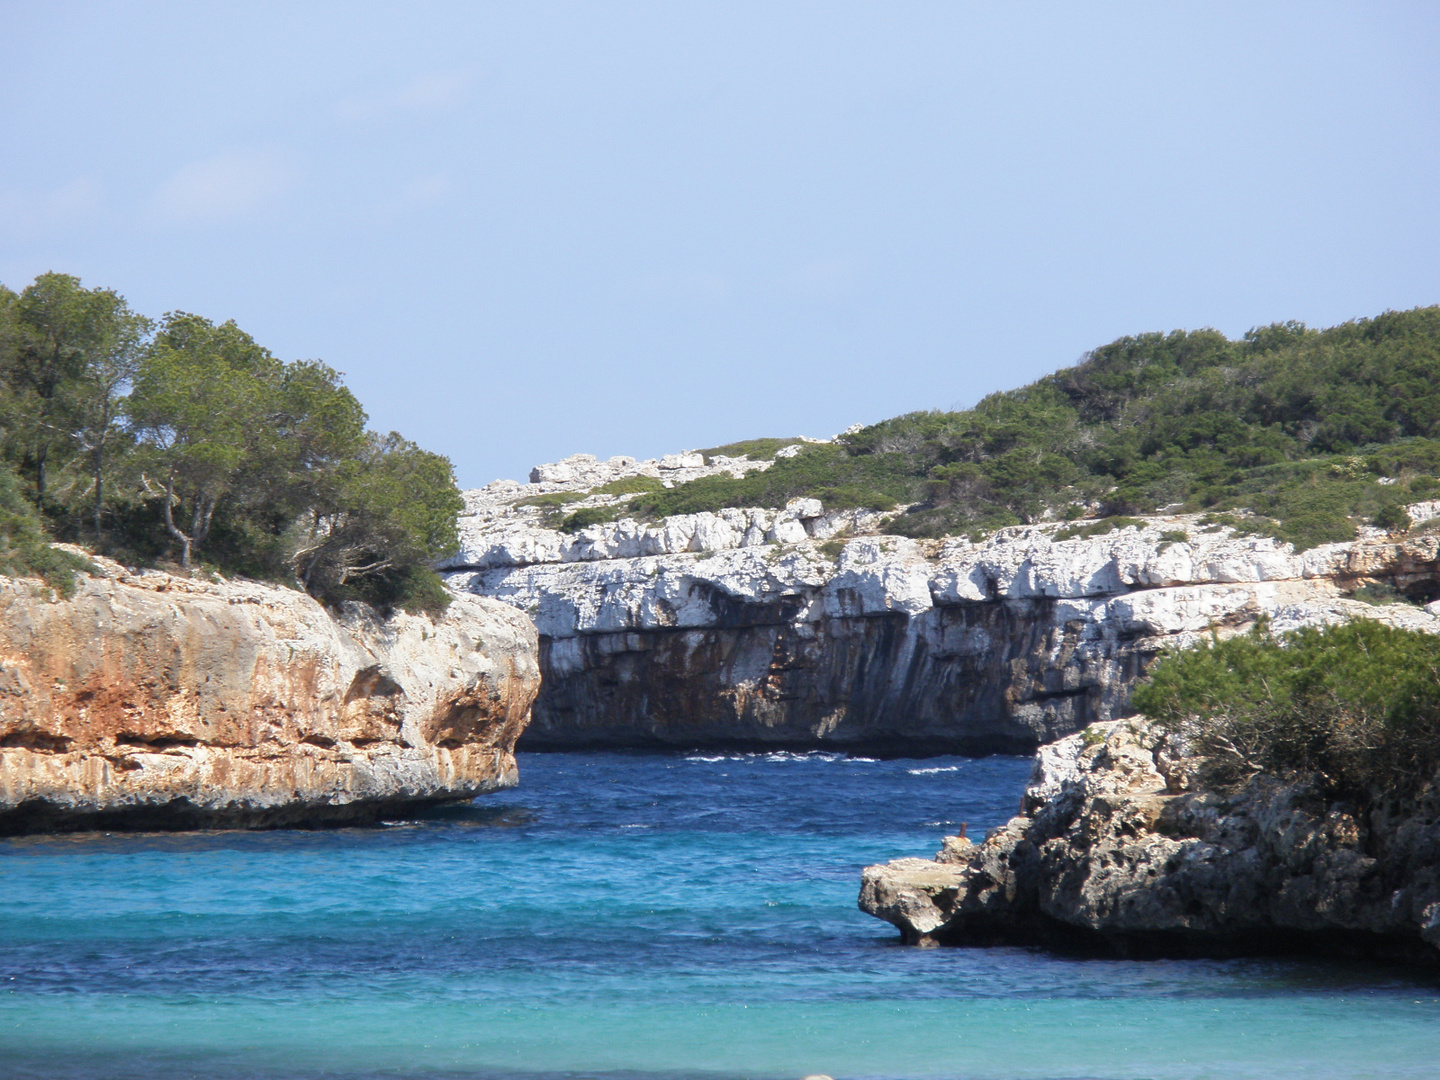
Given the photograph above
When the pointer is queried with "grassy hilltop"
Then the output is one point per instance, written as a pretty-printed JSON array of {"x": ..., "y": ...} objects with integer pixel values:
[{"x": 1292, "y": 424}]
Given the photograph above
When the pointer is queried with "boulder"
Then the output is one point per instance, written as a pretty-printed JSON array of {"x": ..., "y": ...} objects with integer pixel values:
[{"x": 1118, "y": 850}]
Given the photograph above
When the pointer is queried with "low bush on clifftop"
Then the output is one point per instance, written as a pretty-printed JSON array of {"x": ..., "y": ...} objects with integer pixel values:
[
  {"x": 1357, "y": 705},
  {"x": 25, "y": 549},
  {"x": 828, "y": 472},
  {"x": 1294, "y": 424}
]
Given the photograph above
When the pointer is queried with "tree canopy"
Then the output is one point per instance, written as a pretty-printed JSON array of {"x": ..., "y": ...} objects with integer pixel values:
[{"x": 188, "y": 439}]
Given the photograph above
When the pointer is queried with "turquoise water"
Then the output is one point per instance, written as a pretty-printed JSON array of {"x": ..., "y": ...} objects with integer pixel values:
[{"x": 636, "y": 916}]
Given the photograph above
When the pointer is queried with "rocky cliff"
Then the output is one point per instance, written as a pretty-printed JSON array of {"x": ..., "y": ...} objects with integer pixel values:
[
  {"x": 1117, "y": 849},
  {"x": 155, "y": 701},
  {"x": 805, "y": 627}
]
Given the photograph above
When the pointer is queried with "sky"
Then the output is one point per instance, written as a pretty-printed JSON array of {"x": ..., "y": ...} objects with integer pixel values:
[{"x": 525, "y": 230}]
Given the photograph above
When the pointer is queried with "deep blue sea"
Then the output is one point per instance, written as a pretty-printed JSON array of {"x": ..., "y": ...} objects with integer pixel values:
[{"x": 629, "y": 916}]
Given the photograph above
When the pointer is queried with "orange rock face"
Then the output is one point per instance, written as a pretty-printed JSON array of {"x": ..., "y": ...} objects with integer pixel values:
[{"x": 150, "y": 700}]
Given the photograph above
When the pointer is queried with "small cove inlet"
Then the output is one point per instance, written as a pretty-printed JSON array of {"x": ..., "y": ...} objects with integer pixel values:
[{"x": 642, "y": 916}]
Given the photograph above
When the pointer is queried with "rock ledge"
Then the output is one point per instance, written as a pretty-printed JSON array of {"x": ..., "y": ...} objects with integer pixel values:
[
  {"x": 1115, "y": 851},
  {"x": 156, "y": 701},
  {"x": 805, "y": 627}
]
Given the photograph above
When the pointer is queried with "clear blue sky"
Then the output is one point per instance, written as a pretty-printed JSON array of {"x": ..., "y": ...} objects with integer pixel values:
[{"x": 529, "y": 229}]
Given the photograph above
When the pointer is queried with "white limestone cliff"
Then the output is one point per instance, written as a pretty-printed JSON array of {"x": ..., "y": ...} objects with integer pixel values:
[{"x": 807, "y": 626}]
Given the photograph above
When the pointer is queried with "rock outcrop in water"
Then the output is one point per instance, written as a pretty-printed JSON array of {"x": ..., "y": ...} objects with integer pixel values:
[
  {"x": 1117, "y": 849},
  {"x": 804, "y": 627},
  {"x": 155, "y": 701}
]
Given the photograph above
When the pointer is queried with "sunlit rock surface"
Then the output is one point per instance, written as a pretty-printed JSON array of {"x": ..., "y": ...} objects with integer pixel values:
[
  {"x": 1117, "y": 849},
  {"x": 804, "y": 627},
  {"x": 150, "y": 700}
]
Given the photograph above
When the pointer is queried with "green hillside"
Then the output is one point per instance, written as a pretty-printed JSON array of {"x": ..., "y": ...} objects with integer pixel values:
[{"x": 1289, "y": 423}]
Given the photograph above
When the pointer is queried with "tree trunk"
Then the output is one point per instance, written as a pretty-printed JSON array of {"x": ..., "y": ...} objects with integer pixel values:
[
  {"x": 99, "y": 492},
  {"x": 170, "y": 526}
]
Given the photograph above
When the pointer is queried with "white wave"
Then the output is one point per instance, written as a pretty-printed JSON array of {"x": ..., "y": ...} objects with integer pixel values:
[
  {"x": 938, "y": 768},
  {"x": 775, "y": 756},
  {"x": 808, "y": 755}
]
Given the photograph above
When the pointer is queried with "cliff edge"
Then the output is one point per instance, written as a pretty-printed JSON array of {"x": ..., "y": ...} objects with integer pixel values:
[
  {"x": 1117, "y": 850},
  {"x": 155, "y": 701},
  {"x": 805, "y": 627}
]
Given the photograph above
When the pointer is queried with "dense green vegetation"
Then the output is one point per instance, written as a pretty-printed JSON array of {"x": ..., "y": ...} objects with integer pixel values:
[
  {"x": 755, "y": 449},
  {"x": 187, "y": 440},
  {"x": 629, "y": 485},
  {"x": 1291, "y": 424},
  {"x": 1357, "y": 706}
]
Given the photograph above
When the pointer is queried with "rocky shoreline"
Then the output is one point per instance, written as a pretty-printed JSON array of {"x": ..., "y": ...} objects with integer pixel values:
[
  {"x": 806, "y": 628},
  {"x": 156, "y": 701},
  {"x": 1118, "y": 850}
]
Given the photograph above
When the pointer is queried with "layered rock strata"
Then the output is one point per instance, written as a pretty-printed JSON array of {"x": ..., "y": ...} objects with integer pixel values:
[
  {"x": 155, "y": 701},
  {"x": 1117, "y": 849},
  {"x": 804, "y": 627}
]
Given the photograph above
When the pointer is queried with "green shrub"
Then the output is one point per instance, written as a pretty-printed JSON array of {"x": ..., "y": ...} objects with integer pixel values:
[
  {"x": 592, "y": 515},
  {"x": 1355, "y": 706},
  {"x": 1423, "y": 487},
  {"x": 25, "y": 549},
  {"x": 1242, "y": 525},
  {"x": 421, "y": 591},
  {"x": 1379, "y": 594},
  {"x": 1393, "y": 518},
  {"x": 1291, "y": 424},
  {"x": 1098, "y": 528},
  {"x": 550, "y": 500},
  {"x": 630, "y": 485},
  {"x": 754, "y": 449},
  {"x": 824, "y": 471},
  {"x": 1429, "y": 525}
]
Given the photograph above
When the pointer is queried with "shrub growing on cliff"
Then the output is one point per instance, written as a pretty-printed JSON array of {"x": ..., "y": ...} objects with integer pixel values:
[
  {"x": 25, "y": 549},
  {"x": 384, "y": 515},
  {"x": 1357, "y": 705},
  {"x": 754, "y": 449},
  {"x": 1294, "y": 424},
  {"x": 824, "y": 471}
]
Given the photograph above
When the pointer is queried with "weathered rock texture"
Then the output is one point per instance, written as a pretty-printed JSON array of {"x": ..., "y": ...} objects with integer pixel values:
[
  {"x": 150, "y": 700},
  {"x": 1116, "y": 849},
  {"x": 803, "y": 628}
]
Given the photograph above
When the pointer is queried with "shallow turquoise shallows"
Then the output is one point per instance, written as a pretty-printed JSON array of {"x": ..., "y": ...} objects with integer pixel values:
[{"x": 639, "y": 916}]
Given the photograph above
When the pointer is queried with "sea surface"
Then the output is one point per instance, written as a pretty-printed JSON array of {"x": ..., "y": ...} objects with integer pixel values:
[{"x": 629, "y": 916}]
